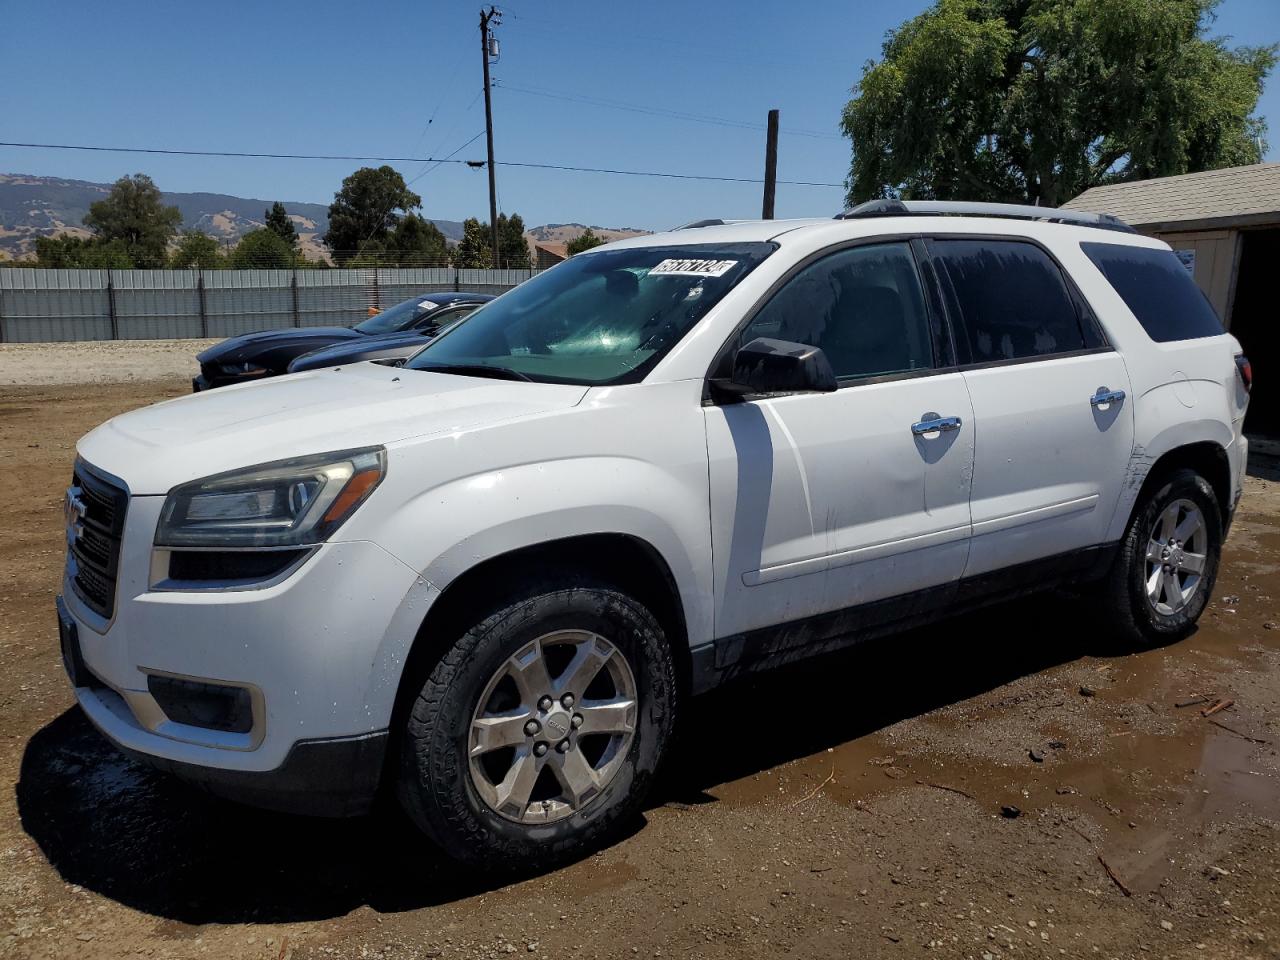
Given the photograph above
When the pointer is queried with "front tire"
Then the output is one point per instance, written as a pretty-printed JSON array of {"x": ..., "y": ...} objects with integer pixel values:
[
  {"x": 537, "y": 735},
  {"x": 1168, "y": 561}
]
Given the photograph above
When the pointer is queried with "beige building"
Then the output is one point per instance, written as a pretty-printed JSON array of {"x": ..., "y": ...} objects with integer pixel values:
[
  {"x": 548, "y": 254},
  {"x": 1225, "y": 227}
]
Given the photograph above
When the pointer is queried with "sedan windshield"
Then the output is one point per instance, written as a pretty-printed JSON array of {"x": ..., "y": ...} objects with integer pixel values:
[
  {"x": 598, "y": 318},
  {"x": 399, "y": 317}
]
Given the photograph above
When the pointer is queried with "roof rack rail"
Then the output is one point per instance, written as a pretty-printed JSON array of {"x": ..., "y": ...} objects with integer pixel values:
[
  {"x": 1014, "y": 211},
  {"x": 699, "y": 223}
]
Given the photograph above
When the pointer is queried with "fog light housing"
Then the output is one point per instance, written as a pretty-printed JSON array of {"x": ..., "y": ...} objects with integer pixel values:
[{"x": 211, "y": 706}]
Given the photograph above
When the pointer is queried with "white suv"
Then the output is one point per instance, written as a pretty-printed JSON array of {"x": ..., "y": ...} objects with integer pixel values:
[{"x": 489, "y": 577}]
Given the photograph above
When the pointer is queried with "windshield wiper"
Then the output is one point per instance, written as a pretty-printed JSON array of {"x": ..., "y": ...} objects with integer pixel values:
[{"x": 479, "y": 370}]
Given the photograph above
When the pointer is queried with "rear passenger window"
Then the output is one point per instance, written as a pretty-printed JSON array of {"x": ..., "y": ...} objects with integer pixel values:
[
  {"x": 1013, "y": 299},
  {"x": 1156, "y": 287},
  {"x": 863, "y": 306}
]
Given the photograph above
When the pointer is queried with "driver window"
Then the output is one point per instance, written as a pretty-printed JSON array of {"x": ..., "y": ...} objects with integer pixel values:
[{"x": 863, "y": 306}]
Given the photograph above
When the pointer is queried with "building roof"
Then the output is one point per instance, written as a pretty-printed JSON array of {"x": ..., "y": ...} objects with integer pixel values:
[
  {"x": 1235, "y": 196},
  {"x": 554, "y": 247}
]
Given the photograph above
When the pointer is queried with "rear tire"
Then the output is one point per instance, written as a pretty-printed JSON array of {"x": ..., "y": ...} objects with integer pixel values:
[
  {"x": 1164, "y": 573},
  {"x": 537, "y": 735}
]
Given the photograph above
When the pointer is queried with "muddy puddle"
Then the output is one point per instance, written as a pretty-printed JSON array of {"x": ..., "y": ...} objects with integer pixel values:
[{"x": 1119, "y": 754}]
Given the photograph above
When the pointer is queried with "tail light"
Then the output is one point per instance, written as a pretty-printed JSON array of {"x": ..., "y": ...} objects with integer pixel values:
[{"x": 1245, "y": 369}]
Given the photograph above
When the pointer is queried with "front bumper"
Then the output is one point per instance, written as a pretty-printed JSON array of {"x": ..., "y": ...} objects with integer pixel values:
[
  {"x": 207, "y": 379},
  {"x": 319, "y": 652},
  {"x": 320, "y": 778}
]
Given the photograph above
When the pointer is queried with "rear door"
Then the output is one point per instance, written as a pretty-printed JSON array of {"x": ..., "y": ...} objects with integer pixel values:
[{"x": 1051, "y": 405}]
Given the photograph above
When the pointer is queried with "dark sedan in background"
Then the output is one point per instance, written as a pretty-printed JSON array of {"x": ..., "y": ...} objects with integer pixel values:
[
  {"x": 269, "y": 353},
  {"x": 388, "y": 346}
]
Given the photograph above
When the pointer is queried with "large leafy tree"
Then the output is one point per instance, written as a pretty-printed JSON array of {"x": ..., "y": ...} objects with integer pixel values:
[
  {"x": 278, "y": 222},
  {"x": 417, "y": 242},
  {"x": 262, "y": 249},
  {"x": 1038, "y": 100},
  {"x": 513, "y": 249},
  {"x": 587, "y": 239},
  {"x": 366, "y": 210},
  {"x": 134, "y": 215},
  {"x": 196, "y": 251},
  {"x": 476, "y": 247}
]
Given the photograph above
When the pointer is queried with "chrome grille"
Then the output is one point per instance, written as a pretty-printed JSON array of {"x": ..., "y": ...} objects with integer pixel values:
[{"x": 93, "y": 551}]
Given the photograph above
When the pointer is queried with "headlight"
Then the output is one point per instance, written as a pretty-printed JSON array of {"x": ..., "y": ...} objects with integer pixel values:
[{"x": 287, "y": 503}]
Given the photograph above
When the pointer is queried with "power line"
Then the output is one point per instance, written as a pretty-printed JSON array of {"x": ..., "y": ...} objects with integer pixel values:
[
  {"x": 654, "y": 111},
  {"x": 366, "y": 159}
]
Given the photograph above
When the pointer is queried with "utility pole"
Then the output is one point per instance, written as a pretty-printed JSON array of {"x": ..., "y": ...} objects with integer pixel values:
[
  {"x": 770, "y": 165},
  {"x": 494, "y": 16}
]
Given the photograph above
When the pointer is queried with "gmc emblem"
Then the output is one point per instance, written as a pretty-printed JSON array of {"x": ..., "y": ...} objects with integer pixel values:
[{"x": 73, "y": 511}]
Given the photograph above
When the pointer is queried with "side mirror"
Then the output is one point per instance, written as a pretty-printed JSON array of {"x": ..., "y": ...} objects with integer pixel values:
[{"x": 766, "y": 366}]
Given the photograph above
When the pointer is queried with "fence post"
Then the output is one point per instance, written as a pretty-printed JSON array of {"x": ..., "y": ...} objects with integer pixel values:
[
  {"x": 293, "y": 284},
  {"x": 2, "y": 339},
  {"x": 457, "y": 286},
  {"x": 111, "y": 305},
  {"x": 204, "y": 313},
  {"x": 377, "y": 302}
]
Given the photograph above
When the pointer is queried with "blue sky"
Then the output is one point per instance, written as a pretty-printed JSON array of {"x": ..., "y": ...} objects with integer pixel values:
[{"x": 324, "y": 77}]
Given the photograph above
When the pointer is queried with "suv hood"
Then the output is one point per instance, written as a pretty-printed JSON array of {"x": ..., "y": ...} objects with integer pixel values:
[{"x": 158, "y": 447}]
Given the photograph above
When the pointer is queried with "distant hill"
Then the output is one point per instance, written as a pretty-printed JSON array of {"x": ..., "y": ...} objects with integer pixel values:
[
  {"x": 564, "y": 232},
  {"x": 33, "y": 207}
]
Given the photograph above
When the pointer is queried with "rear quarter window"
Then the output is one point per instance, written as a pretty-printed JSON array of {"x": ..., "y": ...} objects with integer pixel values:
[{"x": 1157, "y": 289}]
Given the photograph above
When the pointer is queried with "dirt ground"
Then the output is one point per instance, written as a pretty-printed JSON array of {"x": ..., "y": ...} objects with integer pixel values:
[
  {"x": 851, "y": 807},
  {"x": 120, "y": 361}
]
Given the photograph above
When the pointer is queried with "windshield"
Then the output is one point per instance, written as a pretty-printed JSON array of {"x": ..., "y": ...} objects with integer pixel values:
[
  {"x": 598, "y": 318},
  {"x": 399, "y": 317}
]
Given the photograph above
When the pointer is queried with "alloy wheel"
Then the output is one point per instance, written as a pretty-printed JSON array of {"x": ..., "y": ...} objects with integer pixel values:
[
  {"x": 1177, "y": 551},
  {"x": 552, "y": 727}
]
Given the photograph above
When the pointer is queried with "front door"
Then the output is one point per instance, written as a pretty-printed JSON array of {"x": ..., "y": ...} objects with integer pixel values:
[{"x": 822, "y": 502}]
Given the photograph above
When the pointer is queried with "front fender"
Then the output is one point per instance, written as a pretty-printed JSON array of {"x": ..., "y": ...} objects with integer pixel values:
[{"x": 449, "y": 529}]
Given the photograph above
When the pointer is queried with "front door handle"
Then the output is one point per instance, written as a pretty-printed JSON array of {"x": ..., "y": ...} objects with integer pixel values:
[
  {"x": 1105, "y": 396},
  {"x": 933, "y": 423}
]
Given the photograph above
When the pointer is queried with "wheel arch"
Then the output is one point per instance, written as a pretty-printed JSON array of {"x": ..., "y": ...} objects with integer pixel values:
[
  {"x": 1206, "y": 457},
  {"x": 627, "y": 561}
]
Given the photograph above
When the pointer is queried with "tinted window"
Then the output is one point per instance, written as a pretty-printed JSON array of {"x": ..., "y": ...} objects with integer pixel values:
[
  {"x": 1157, "y": 288},
  {"x": 1013, "y": 300},
  {"x": 862, "y": 306},
  {"x": 400, "y": 317}
]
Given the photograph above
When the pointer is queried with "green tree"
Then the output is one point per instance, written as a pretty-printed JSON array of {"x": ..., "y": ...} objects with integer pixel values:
[
  {"x": 584, "y": 241},
  {"x": 262, "y": 249},
  {"x": 1038, "y": 100},
  {"x": 134, "y": 215},
  {"x": 513, "y": 249},
  {"x": 82, "y": 253},
  {"x": 417, "y": 242},
  {"x": 476, "y": 247},
  {"x": 279, "y": 223},
  {"x": 196, "y": 251},
  {"x": 366, "y": 210}
]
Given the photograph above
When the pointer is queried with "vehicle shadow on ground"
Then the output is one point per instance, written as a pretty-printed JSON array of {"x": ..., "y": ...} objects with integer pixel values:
[{"x": 145, "y": 840}]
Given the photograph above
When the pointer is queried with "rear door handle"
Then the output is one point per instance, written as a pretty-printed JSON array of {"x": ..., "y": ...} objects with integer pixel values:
[
  {"x": 933, "y": 423},
  {"x": 1105, "y": 395}
]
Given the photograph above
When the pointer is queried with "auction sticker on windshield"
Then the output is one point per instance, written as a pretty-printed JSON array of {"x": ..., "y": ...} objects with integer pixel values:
[{"x": 694, "y": 268}]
